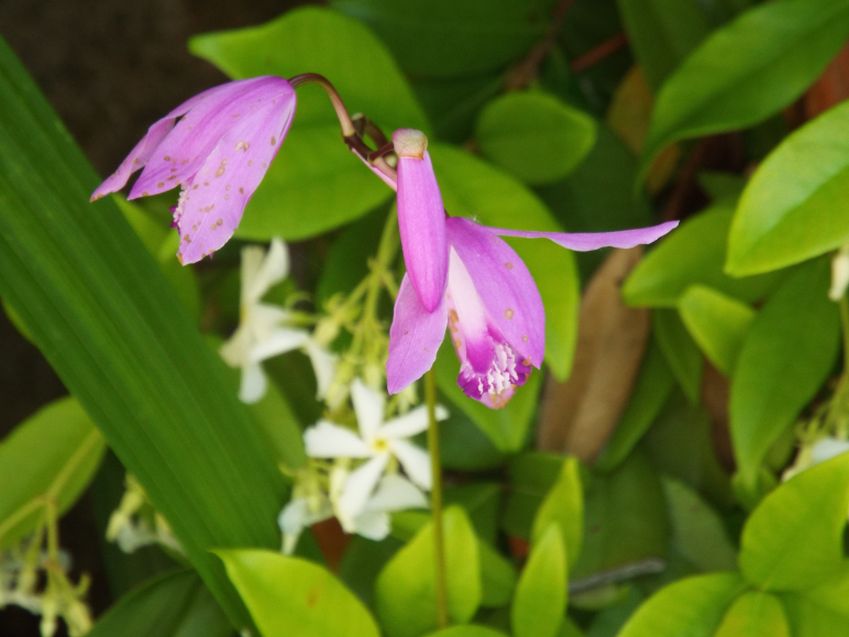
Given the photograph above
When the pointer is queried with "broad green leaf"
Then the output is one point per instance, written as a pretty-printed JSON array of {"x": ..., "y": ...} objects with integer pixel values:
[
  {"x": 480, "y": 500},
  {"x": 315, "y": 183},
  {"x": 627, "y": 503},
  {"x": 453, "y": 104},
  {"x": 531, "y": 476},
  {"x": 794, "y": 206},
  {"x": 651, "y": 390},
  {"x": 693, "y": 254},
  {"x": 176, "y": 604},
  {"x": 290, "y": 596},
  {"x": 405, "y": 593},
  {"x": 680, "y": 351},
  {"x": 662, "y": 33},
  {"x": 693, "y": 607},
  {"x": 498, "y": 577},
  {"x": 788, "y": 352},
  {"x": 754, "y": 613},
  {"x": 507, "y": 428},
  {"x": 563, "y": 506},
  {"x": 467, "y": 630},
  {"x": 48, "y": 458},
  {"x": 472, "y": 188},
  {"x": 697, "y": 531},
  {"x": 718, "y": 324},
  {"x": 747, "y": 70},
  {"x": 821, "y": 611},
  {"x": 113, "y": 329},
  {"x": 540, "y": 602},
  {"x": 441, "y": 38},
  {"x": 802, "y": 521},
  {"x": 534, "y": 136},
  {"x": 462, "y": 444}
]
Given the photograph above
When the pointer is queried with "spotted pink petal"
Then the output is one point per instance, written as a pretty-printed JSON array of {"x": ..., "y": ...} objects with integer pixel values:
[
  {"x": 421, "y": 223},
  {"x": 504, "y": 285},
  {"x": 186, "y": 148},
  {"x": 586, "y": 241},
  {"x": 414, "y": 338},
  {"x": 212, "y": 203}
]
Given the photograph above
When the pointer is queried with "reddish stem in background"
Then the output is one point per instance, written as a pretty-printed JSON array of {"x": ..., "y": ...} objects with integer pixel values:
[
  {"x": 525, "y": 71},
  {"x": 598, "y": 53}
]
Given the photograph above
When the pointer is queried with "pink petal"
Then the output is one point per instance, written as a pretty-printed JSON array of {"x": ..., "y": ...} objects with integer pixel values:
[
  {"x": 586, "y": 241},
  {"x": 414, "y": 338},
  {"x": 421, "y": 222},
  {"x": 185, "y": 150},
  {"x": 504, "y": 285},
  {"x": 383, "y": 177},
  {"x": 212, "y": 204}
]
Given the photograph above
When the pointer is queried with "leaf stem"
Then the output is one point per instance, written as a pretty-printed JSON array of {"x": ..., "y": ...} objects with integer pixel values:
[{"x": 440, "y": 586}]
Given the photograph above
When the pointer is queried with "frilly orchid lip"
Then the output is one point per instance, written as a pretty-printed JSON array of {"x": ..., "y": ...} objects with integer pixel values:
[
  {"x": 217, "y": 146},
  {"x": 489, "y": 302}
]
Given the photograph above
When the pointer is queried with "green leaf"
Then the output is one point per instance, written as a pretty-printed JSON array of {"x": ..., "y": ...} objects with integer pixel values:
[
  {"x": 498, "y": 577},
  {"x": 754, "y": 613},
  {"x": 49, "y": 457},
  {"x": 531, "y": 476},
  {"x": 473, "y": 188},
  {"x": 290, "y": 596},
  {"x": 540, "y": 602},
  {"x": 563, "y": 506},
  {"x": 693, "y": 607},
  {"x": 625, "y": 503},
  {"x": 405, "y": 593},
  {"x": 441, "y": 38},
  {"x": 662, "y": 33},
  {"x": 315, "y": 183},
  {"x": 534, "y": 136},
  {"x": 507, "y": 428},
  {"x": 794, "y": 206},
  {"x": 693, "y": 254},
  {"x": 680, "y": 351},
  {"x": 467, "y": 630},
  {"x": 176, "y": 603},
  {"x": 802, "y": 521},
  {"x": 112, "y": 328},
  {"x": 651, "y": 390},
  {"x": 718, "y": 324},
  {"x": 697, "y": 531},
  {"x": 821, "y": 611},
  {"x": 788, "y": 352},
  {"x": 747, "y": 70}
]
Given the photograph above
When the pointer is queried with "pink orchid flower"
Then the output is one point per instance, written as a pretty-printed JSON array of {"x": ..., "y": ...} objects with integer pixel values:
[
  {"x": 489, "y": 301},
  {"x": 217, "y": 146}
]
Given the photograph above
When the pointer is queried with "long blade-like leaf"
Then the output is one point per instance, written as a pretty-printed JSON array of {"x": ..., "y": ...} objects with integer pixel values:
[{"x": 113, "y": 329}]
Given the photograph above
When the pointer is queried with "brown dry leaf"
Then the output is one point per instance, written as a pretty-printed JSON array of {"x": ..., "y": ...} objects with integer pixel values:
[
  {"x": 579, "y": 415},
  {"x": 629, "y": 116},
  {"x": 832, "y": 86}
]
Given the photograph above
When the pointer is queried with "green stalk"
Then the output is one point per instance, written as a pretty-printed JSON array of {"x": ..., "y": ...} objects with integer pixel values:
[{"x": 440, "y": 587}]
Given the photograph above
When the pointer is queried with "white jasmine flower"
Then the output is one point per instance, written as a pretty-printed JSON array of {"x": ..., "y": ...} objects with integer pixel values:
[
  {"x": 263, "y": 331},
  {"x": 377, "y": 443},
  {"x": 823, "y": 449},
  {"x": 839, "y": 274}
]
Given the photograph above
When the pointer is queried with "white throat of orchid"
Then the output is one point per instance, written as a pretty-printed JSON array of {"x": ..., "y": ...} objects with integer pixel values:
[{"x": 491, "y": 368}]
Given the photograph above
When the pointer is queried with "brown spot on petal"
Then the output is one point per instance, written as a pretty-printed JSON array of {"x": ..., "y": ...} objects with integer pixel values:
[
  {"x": 525, "y": 338},
  {"x": 508, "y": 265},
  {"x": 273, "y": 140},
  {"x": 243, "y": 146},
  {"x": 167, "y": 158},
  {"x": 161, "y": 184},
  {"x": 218, "y": 223},
  {"x": 241, "y": 191},
  {"x": 221, "y": 167},
  {"x": 508, "y": 313},
  {"x": 250, "y": 163},
  {"x": 196, "y": 186}
]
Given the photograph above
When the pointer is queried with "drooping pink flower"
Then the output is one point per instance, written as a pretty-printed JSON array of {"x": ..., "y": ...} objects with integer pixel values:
[
  {"x": 217, "y": 146},
  {"x": 490, "y": 302}
]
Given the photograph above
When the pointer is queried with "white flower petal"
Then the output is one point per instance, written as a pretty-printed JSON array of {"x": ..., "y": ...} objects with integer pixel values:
[
  {"x": 412, "y": 423},
  {"x": 373, "y": 525},
  {"x": 296, "y": 516},
  {"x": 235, "y": 351},
  {"x": 369, "y": 406},
  {"x": 259, "y": 276},
  {"x": 323, "y": 365},
  {"x": 358, "y": 487},
  {"x": 253, "y": 384},
  {"x": 279, "y": 341},
  {"x": 328, "y": 440},
  {"x": 827, "y": 448},
  {"x": 414, "y": 460},
  {"x": 396, "y": 493}
]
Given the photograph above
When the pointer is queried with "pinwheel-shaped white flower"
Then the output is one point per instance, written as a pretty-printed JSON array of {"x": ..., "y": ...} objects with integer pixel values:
[
  {"x": 378, "y": 442},
  {"x": 263, "y": 331}
]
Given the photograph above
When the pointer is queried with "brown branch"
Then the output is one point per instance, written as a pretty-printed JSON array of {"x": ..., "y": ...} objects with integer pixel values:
[
  {"x": 598, "y": 53},
  {"x": 523, "y": 73}
]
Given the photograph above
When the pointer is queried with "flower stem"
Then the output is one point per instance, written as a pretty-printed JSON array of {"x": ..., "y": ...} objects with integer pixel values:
[
  {"x": 348, "y": 129},
  {"x": 440, "y": 586}
]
